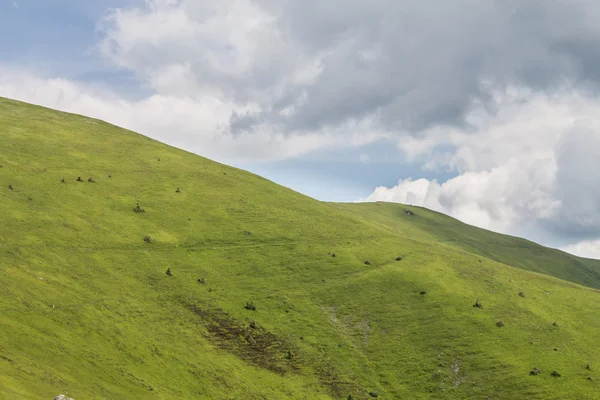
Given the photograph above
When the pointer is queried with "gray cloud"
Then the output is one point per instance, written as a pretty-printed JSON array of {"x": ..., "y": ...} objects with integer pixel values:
[
  {"x": 403, "y": 65},
  {"x": 577, "y": 176},
  {"x": 413, "y": 65}
]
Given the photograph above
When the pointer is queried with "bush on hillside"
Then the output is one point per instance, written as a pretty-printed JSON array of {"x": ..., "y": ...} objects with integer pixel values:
[
  {"x": 477, "y": 304},
  {"x": 147, "y": 239},
  {"x": 535, "y": 371},
  {"x": 250, "y": 306}
]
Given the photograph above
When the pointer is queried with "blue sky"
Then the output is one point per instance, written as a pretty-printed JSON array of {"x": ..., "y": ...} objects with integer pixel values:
[{"x": 482, "y": 110}]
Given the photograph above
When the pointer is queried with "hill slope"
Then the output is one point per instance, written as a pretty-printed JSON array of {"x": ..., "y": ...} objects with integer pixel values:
[
  {"x": 87, "y": 308},
  {"x": 427, "y": 225}
]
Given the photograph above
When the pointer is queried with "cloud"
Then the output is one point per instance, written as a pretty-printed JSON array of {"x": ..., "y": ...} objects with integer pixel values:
[
  {"x": 528, "y": 169},
  {"x": 310, "y": 66},
  {"x": 586, "y": 248},
  {"x": 196, "y": 124}
]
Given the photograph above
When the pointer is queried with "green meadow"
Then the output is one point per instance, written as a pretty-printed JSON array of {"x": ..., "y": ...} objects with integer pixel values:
[{"x": 270, "y": 294}]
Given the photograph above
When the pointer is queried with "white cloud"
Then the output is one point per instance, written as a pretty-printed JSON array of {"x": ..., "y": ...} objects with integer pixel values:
[
  {"x": 530, "y": 169},
  {"x": 196, "y": 124},
  {"x": 586, "y": 248}
]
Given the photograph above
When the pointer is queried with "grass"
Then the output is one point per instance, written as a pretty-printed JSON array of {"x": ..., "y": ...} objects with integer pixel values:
[{"x": 86, "y": 306}]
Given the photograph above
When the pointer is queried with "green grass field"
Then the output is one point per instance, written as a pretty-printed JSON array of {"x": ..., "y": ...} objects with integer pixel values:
[{"x": 87, "y": 309}]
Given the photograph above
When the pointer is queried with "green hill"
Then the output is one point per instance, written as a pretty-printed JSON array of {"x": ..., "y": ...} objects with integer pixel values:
[
  {"x": 426, "y": 225},
  {"x": 86, "y": 306}
]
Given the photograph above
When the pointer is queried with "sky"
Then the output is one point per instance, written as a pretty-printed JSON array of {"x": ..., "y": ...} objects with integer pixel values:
[{"x": 482, "y": 109}]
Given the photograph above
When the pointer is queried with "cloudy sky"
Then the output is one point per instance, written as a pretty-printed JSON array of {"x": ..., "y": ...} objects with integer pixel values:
[{"x": 481, "y": 109}]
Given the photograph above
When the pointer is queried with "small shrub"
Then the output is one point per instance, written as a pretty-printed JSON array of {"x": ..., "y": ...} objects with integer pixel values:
[
  {"x": 349, "y": 397},
  {"x": 79, "y": 179},
  {"x": 373, "y": 394},
  {"x": 253, "y": 324},
  {"x": 138, "y": 209},
  {"x": 90, "y": 180},
  {"x": 535, "y": 371},
  {"x": 169, "y": 272},
  {"x": 521, "y": 294},
  {"x": 555, "y": 374},
  {"x": 147, "y": 239},
  {"x": 202, "y": 280},
  {"x": 250, "y": 306},
  {"x": 499, "y": 324},
  {"x": 477, "y": 304}
]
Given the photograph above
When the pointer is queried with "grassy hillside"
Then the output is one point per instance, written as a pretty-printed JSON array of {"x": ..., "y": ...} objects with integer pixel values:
[
  {"x": 427, "y": 225},
  {"x": 87, "y": 308}
]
